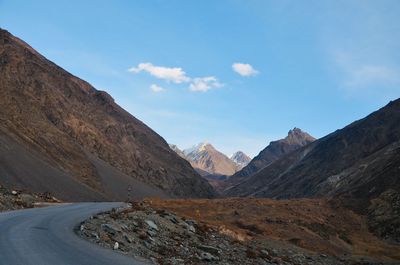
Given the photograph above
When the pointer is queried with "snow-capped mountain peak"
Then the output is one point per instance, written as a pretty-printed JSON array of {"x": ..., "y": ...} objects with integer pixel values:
[{"x": 240, "y": 158}]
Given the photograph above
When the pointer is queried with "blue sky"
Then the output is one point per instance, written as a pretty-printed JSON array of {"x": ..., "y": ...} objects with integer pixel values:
[{"x": 316, "y": 65}]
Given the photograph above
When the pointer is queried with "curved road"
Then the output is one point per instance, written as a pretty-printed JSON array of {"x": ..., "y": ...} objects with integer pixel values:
[{"x": 45, "y": 236}]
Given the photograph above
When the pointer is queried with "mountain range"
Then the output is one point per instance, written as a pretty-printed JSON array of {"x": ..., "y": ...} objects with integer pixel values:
[
  {"x": 210, "y": 162},
  {"x": 358, "y": 165},
  {"x": 59, "y": 134}
]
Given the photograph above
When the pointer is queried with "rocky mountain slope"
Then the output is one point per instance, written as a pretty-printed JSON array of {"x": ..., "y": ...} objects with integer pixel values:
[
  {"x": 241, "y": 159},
  {"x": 59, "y": 134},
  {"x": 358, "y": 163},
  {"x": 209, "y": 161},
  {"x": 295, "y": 139}
]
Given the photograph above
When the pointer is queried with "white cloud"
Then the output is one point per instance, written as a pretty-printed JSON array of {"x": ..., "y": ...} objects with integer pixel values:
[
  {"x": 156, "y": 89},
  {"x": 178, "y": 76},
  {"x": 244, "y": 69},
  {"x": 173, "y": 74},
  {"x": 204, "y": 84}
]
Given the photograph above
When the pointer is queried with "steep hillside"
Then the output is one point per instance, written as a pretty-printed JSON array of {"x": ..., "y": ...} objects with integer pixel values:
[
  {"x": 61, "y": 135},
  {"x": 357, "y": 163},
  {"x": 295, "y": 139}
]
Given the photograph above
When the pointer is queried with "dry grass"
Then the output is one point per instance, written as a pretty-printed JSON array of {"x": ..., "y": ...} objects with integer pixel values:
[{"x": 313, "y": 224}]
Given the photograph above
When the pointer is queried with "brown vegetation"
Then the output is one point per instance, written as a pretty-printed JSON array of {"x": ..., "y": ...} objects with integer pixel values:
[{"x": 317, "y": 225}]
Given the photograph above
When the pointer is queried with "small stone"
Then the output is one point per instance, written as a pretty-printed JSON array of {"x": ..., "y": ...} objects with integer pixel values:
[
  {"x": 191, "y": 222},
  {"x": 173, "y": 219},
  {"x": 95, "y": 235},
  {"x": 264, "y": 254},
  {"x": 109, "y": 229},
  {"x": 209, "y": 249},
  {"x": 14, "y": 192},
  {"x": 27, "y": 200},
  {"x": 151, "y": 224},
  {"x": 152, "y": 233},
  {"x": 207, "y": 256},
  {"x": 116, "y": 245},
  {"x": 128, "y": 239},
  {"x": 192, "y": 229}
]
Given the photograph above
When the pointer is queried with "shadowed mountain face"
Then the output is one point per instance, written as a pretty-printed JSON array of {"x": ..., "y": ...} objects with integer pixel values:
[
  {"x": 58, "y": 134},
  {"x": 360, "y": 160},
  {"x": 295, "y": 139},
  {"x": 358, "y": 165}
]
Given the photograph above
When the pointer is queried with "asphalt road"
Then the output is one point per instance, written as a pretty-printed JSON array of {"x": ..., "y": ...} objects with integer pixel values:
[{"x": 45, "y": 236}]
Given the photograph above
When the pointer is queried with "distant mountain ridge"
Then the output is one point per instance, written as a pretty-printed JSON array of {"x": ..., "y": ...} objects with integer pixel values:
[
  {"x": 208, "y": 161},
  {"x": 241, "y": 159},
  {"x": 205, "y": 157},
  {"x": 295, "y": 139}
]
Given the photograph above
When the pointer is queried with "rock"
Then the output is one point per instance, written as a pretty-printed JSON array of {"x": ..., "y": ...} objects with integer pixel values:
[
  {"x": 27, "y": 200},
  {"x": 207, "y": 256},
  {"x": 116, "y": 246},
  {"x": 109, "y": 229},
  {"x": 189, "y": 227},
  {"x": 191, "y": 222},
  {"x": 264, "y": 254},
  {"x": 128, "y": 238},
  {"x": 151, "y": 233},
  {"x": 95, "y": 235},
  {"x": 172, "y": 219},
  {"x": 151, "y": 224},
  {"x": 14, "y": 192},
  {"x": 192, "y": 229},
  {"x": 176, "y": 261},
  {"x": 209, "y": 249}
]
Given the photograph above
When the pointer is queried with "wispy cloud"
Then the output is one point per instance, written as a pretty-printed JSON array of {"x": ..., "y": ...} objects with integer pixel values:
[
  {"x": 156, "y": 89},
  {"x": 365, "y": 75},
  {"x": 173, "y": 74},
  {"x": 244, "y": 69},
  {"x": 204, "y": 84},
  {"x": 358, "y": 74}
]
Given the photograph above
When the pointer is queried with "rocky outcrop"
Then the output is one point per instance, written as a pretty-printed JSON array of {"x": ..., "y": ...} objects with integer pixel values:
[{"x": 68, "y": 134}]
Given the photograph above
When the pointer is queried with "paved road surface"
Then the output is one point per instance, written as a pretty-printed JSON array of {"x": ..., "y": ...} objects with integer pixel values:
[{"x": 44, "y": 236}]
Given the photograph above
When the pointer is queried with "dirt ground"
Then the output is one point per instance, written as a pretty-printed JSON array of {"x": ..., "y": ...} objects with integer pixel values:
[{"x": 315, "y": 225}]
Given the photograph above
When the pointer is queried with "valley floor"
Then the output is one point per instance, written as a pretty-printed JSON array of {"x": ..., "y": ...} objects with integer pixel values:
[{"x": 240, "y": 231}]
